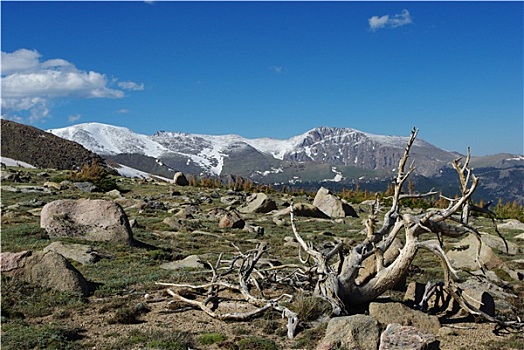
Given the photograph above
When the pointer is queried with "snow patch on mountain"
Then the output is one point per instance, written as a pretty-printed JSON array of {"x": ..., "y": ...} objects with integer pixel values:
[{"x": 108, "y": 139}]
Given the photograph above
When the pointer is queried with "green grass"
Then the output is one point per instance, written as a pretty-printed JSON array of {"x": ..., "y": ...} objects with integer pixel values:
[
  {"x": 211, "y": 338},
  {"x": 157, "y": 339},
  {"x": 50, "y": 336},
  {"x": 21, "y": 300},
  {"x": 256, "y": 343}
]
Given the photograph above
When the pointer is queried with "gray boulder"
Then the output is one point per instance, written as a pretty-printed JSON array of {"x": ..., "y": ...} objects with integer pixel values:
[
  {"x": 464, "y": 255},
  {"x": 191, "y": 261},
  {"x": 52, "y": 270},
  {"x": 398, "y": 337},
  {"x": 387, "y": 313},
  {"x": 93, "y": 220},
  {"x": 86, "y": 186},
  {"x": 258, "y": 203},
  {"x": 331, "y": 205},
  {"x": 304, "y": 210},
  {"x": 351, "y": 332},
  {"x": 11, "y": 261},
  {"x": 81, "y": 253}
]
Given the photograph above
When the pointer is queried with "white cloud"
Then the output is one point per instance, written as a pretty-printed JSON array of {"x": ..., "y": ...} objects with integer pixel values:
[
  {"x": 398, "y": 20},
  {"x": 123, "y": 111},
  {"x": 29, "y": 84},
  {"x": 129, "y": 85},
  {"x": 277, "y": 69},
  {"x": 74, "y": 118}
]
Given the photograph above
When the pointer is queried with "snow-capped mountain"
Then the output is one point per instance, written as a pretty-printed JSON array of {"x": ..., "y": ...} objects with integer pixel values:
[
  {"x": 229, "y": 154},
  {"x": 334, "y": 157}
]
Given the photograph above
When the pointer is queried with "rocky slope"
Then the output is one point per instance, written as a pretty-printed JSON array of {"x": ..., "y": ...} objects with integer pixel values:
[{"x": 42, "y": 149}]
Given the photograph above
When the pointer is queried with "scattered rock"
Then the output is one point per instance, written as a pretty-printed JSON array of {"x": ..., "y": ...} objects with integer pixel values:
[
  {"x": 496, "y": 242},
  {"x": 192, "y": 261},
  {"x": 387, "y": 313},
  {"x": 231, "y": 199},
  {"x": 81, "y": 253},
  {"x": 464, "y": 255},
  {"x": 180, "y": 179},
  {"x": 114, "y": 193},
  {"x": 488, "y": 296},
  {"x": 399, "y": 337},
  {"x": 94, "y": 220},
  {"x": 257, "y": 230},
  {"x": 155, "y": 205},
  {"x": 26, "y": 189},
  {"x": 258, "y": 203},
  {"x": 331, "y": 205},
  {"x": 11, "y": 261},
  {"x": 304, "y": 210},
  {"x": 351, "y": 332},
  {"x": 86, "y": 186},
  {"x": 231, "y": 219},
  {"x": 52, "y": 270},
  {"x": 53, "y": 185},
  {"x": 172, "y": 222},
  {"x": 511, "y": 224}
]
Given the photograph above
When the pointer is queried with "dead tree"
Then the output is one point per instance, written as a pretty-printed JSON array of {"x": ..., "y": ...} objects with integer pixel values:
[{"x": 332, "y": 274}]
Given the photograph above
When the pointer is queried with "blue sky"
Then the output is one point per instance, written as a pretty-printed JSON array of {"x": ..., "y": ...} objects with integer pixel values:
[{"x": 270, "y": 69}]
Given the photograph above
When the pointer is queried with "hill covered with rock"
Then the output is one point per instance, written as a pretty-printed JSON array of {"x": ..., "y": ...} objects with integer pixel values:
[{"x": 42, "y": 149}]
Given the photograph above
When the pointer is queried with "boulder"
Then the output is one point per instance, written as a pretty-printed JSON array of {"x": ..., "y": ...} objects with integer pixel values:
[
  {"x": 511, "y": 224},
  {"x": 81, "y": 253},
  {"x": 464, "y": 255},
  {"x": 331, "y": 205},
  {"x": 399, "y": 337},
  {"x": 52, "y": 270},
  {"x": 258, "y": 203},
  {"x": 93, "y": 220},
  {"x": 11, "y": 261},
  {"x": 351, "y": 332},
  {"x": 495, "y": 242},
  {"x": 191, "y": 261},
  {"x": 180, "y": 179},
  {"x": 53, "y": 185},
  {"x": 173, "y": 222},
  {"x": 86, "y": 186},
  {"x": 304, "y": 210},
  {"x": 231, "y": 219},
  {"x": 387, "y": 313}
]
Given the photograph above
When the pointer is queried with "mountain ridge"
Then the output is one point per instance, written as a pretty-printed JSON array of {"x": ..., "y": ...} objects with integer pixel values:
[{"x": 336, "y": 146}]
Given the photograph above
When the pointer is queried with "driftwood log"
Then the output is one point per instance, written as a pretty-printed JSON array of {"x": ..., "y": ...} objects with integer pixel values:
[{"x": 332, "y": 274}]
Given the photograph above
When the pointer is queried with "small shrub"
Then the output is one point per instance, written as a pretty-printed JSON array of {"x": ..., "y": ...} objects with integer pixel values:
[
  {"x": 309, "y": 308},
  {"x": 124, "y": 316},
  {"x": 256, "y": 343},
  {"x": 96, "y": 174},
  {"x": 211, "y": 338}
]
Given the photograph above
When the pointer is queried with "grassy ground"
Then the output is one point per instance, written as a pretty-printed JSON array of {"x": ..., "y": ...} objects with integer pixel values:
[{"x": 128, "y": 310}]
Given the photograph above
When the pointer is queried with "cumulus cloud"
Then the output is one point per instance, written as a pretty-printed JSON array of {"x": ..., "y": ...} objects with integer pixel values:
[
  {"x": 393, "y": 21},
  {"x": 29, "y": 84}
]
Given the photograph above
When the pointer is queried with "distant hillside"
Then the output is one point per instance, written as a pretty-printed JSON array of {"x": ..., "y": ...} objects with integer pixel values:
[{"x": 42, "y": 149}]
